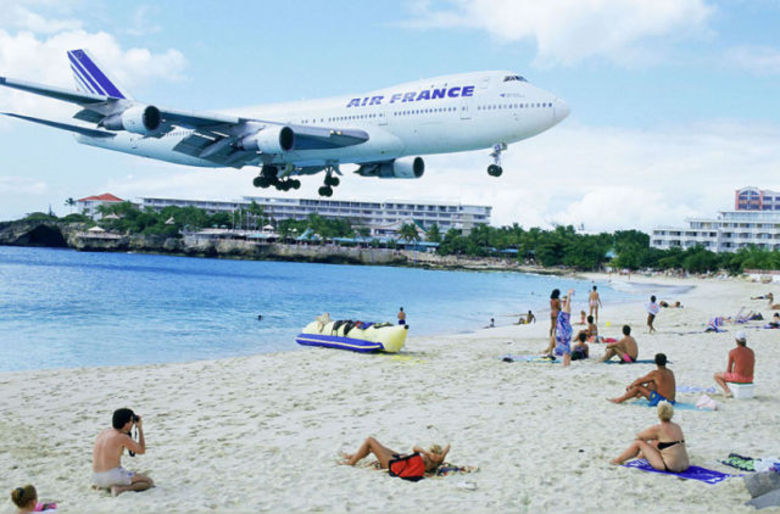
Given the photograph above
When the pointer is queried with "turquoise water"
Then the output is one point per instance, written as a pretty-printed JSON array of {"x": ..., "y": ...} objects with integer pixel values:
[{"x": 61, "y": 308}]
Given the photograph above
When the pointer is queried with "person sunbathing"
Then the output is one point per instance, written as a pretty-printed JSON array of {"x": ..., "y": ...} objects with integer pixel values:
[
  {"x": 26, "y": 500},
  {"x": 656, "y": 386},
  {"x": 626, "y": 349},
  {"x": 775, "y": 323},
  {"x": 662, "y": 445},
  {"x": 433, "y": 457}
]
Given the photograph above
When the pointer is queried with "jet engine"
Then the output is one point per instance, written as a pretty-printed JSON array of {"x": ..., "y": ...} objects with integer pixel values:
[
  {"x": 273, "y": 139},
  {"x": 139, "y": 119},
  {"x": 405, "y": 167}
]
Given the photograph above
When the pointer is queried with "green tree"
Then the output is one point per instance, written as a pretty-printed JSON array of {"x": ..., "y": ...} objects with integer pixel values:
[
  {"x": 70, "y": 202},
  {"x": 409, "y": 232},
  {"x": 434, "y": 234}
]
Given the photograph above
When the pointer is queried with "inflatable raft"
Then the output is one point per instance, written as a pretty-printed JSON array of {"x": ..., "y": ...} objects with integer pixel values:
[{"x": 357, "y": 336}]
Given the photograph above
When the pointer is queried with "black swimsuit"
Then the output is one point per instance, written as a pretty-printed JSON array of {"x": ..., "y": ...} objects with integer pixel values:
[{"x": 663, "y": 446}]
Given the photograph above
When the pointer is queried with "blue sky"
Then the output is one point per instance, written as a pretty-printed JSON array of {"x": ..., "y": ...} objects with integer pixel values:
[{"x": 674, "y": 102}]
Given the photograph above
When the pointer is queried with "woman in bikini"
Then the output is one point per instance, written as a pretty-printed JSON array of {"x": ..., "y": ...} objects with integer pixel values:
[
  {"x": 433, "y": 457},
  {"x": 662, "y": 445},
  {"x": 555, "y": 308}
]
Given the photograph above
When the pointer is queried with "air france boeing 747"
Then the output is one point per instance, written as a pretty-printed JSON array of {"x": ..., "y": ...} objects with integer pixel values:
[{"x": 383, "y": 132}]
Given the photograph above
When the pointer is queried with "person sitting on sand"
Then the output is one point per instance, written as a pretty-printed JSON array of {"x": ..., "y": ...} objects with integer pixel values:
[
  {"x": 579, "y": 349},
  {"x": 107, "y": 472},
  {"x": 656, "y": 386},
  {"x": 662, "y": 445},
  {"x": 775, "y": 323},
  {"x": 739, "y": 369},
  {"x": 582, "y": 318},
  {"x": 26, "y": 500},
  {"x": 626, "y": 349},
  {"x": 525, "y": 319},
  {"x": 492, "y": 323},
  {"x": 433, "y": 457}
]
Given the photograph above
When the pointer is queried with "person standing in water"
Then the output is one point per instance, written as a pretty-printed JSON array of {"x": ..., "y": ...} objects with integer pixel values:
[{"x": 401, "y": 317}]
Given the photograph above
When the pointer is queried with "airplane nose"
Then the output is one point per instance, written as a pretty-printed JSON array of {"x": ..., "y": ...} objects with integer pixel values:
[{"x": 561, "y": 110}]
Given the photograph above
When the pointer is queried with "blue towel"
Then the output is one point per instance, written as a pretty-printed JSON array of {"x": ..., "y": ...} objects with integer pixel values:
[
  {"x": 708, "y": 476},
  {"x": 677, "y": 405},
  {"x": 695, "y": 389},
  {"x": 640, "y": 361}
]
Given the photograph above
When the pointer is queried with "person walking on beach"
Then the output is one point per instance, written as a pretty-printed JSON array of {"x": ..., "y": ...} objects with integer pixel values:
[
  {"x": 594, "y": 302},
  {"x": 626, "y": 349},
  {"x": 107, "y": 471},
  {"x": 739, "y": 369},
  {"x": 401, "y": 317},
  {"x": 433, "y": 457},
  {"x": 662, "y": 445},
  {"x": 652, "y": 310},
  {"x": 656, "y": 386}
]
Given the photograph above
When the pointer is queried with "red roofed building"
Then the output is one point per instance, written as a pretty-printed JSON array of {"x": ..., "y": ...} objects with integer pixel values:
[{"x": 89, "y": 205}]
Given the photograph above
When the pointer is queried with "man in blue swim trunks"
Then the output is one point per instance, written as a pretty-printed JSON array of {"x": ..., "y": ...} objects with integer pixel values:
[{"x": 656, "y": 386}]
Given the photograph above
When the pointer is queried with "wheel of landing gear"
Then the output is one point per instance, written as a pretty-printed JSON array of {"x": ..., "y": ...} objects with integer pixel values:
[
  {"x": 323, "y": 190},
  {"x": 332, "y": 181},
  {"x": 296, "y": 184},
  {"x": 495, "y": 170},
  {"x": 328, "y": 191},
  {"x": 260, "y": 182}
]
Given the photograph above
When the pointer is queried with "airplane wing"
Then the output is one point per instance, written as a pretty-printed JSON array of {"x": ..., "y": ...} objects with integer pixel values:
[
  {"x": 64, "y": 126},
  {"x": 214, "y": 135}
]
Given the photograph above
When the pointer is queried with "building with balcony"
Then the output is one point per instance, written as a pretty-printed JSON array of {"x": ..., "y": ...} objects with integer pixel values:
[
  {"x": 90, "y": 204},
  {"x": 728, "y": 232},
  {"x": 754, "y": 199},
  {"x": 382, "y": 218}
]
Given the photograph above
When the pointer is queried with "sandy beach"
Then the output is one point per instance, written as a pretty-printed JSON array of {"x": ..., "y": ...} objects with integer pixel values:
[{"x": 263, "y": 433}]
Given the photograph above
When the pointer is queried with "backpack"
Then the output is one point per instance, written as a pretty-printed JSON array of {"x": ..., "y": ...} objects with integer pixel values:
[{"x": 410, "y": 467}]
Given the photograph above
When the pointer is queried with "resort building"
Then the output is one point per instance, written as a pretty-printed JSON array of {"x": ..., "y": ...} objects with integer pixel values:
[
  {"x": 383, "y": 218},
  {"x": 754, "y": 199},
  {"x": 755, "y": 221},
  {"x": 89, "y": 205}
]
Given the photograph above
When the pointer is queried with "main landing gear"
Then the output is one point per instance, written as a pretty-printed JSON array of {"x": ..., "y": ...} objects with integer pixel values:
[
  {"x": 269, "y": 176},
  {"x": 330, "y": 182},
  {"x": 495, "y": 169}
]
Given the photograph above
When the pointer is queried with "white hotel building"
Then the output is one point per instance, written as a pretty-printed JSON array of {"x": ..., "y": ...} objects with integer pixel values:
[
  {"x": 755, "y": 221},
  {"x": 383, "y": 218}
]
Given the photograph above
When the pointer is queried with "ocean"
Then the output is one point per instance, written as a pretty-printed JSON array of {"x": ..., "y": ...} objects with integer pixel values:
[{"x": 62, "y": 308}]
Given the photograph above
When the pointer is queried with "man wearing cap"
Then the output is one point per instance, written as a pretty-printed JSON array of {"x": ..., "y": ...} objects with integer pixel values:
[{"x": 739, "y": 369}]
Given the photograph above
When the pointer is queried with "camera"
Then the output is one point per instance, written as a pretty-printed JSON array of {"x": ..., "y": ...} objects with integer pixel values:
[{"x": 136, "y": 417}]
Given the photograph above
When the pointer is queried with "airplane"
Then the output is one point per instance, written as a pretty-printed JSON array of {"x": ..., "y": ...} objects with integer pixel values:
[{"x": 383, "y": 132}]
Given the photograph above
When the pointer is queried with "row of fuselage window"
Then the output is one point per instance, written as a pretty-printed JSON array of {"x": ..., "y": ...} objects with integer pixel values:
[{"x": 429, "y": 111}]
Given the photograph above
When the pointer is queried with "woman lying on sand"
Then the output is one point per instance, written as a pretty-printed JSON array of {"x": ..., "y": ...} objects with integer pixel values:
[
  {"x": 433, "y": 458},
  {"x": 662, "y": 445}
]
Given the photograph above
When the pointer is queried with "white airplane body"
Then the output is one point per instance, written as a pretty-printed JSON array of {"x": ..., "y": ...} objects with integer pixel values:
[{"x": 383, "y": 132}]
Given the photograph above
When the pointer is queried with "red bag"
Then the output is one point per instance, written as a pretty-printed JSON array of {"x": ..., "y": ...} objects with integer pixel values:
[{"x": 410, "y": 467}]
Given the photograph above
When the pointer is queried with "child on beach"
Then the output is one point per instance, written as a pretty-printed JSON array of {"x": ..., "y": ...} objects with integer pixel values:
[
  {"x": 26, "y": 500},
  {"x": 580, "y": 348},
  {"x": 582, "y": 318}
]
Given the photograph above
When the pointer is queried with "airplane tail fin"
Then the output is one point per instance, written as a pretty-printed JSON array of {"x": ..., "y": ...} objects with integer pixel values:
[{"x": 90, "y": 78}]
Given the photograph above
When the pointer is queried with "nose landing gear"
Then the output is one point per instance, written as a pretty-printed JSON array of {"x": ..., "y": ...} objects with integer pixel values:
[{"x": 495, "y": 169}]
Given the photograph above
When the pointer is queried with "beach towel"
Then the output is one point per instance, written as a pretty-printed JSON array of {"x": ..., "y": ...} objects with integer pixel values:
[
  {"x": 608, "y": 340},
  {"x": 640, "y": 361},
  {"x": 448, "y": 469},
  {"x": 695, "y": 389},
  {"x": 677, "y": 405},
  {"x": 535, "y": 359},
  {"x": 708, "y": 476},
  {"x": 739, "y": 462}
]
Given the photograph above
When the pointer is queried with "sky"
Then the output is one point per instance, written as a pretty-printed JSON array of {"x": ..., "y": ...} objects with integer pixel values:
[{"x": 674, "y": 103}]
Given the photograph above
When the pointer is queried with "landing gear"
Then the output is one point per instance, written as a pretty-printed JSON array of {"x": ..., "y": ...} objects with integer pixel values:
[
  {"x": 269, "y": 176},
  {"x": 495, "y": 169},
  {"x": 330, "y": 181}
]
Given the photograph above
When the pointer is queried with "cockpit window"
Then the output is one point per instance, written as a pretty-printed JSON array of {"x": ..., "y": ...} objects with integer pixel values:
[{"x": 514, "y": 77}]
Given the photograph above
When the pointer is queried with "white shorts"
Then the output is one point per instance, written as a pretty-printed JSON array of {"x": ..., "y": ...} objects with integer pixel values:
[{"x": 116, "y": 476}]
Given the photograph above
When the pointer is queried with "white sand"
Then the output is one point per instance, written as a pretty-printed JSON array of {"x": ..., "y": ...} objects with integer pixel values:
[{"x": 264, "y": 432}]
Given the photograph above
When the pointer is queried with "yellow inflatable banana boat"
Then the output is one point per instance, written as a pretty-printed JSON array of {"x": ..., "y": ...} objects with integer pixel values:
[{"x": 358, "y": 336}]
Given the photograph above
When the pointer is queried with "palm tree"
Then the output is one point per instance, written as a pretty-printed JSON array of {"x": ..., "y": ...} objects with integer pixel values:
[
  {"x": 409, "y": 232},
  {"x": 70, "y": 202}
]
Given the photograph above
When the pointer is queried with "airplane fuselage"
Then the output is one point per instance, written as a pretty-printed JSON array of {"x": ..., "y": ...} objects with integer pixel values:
[{"x": 445, "y": 114}]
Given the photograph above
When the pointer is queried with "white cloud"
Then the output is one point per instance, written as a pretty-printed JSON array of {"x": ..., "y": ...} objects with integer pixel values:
[
  {"x": 568, "y": 31},
  {"x": 12, "y": 186},
  {"x": 759, "y": 60},
  {"x": 25, "y": 55}
]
